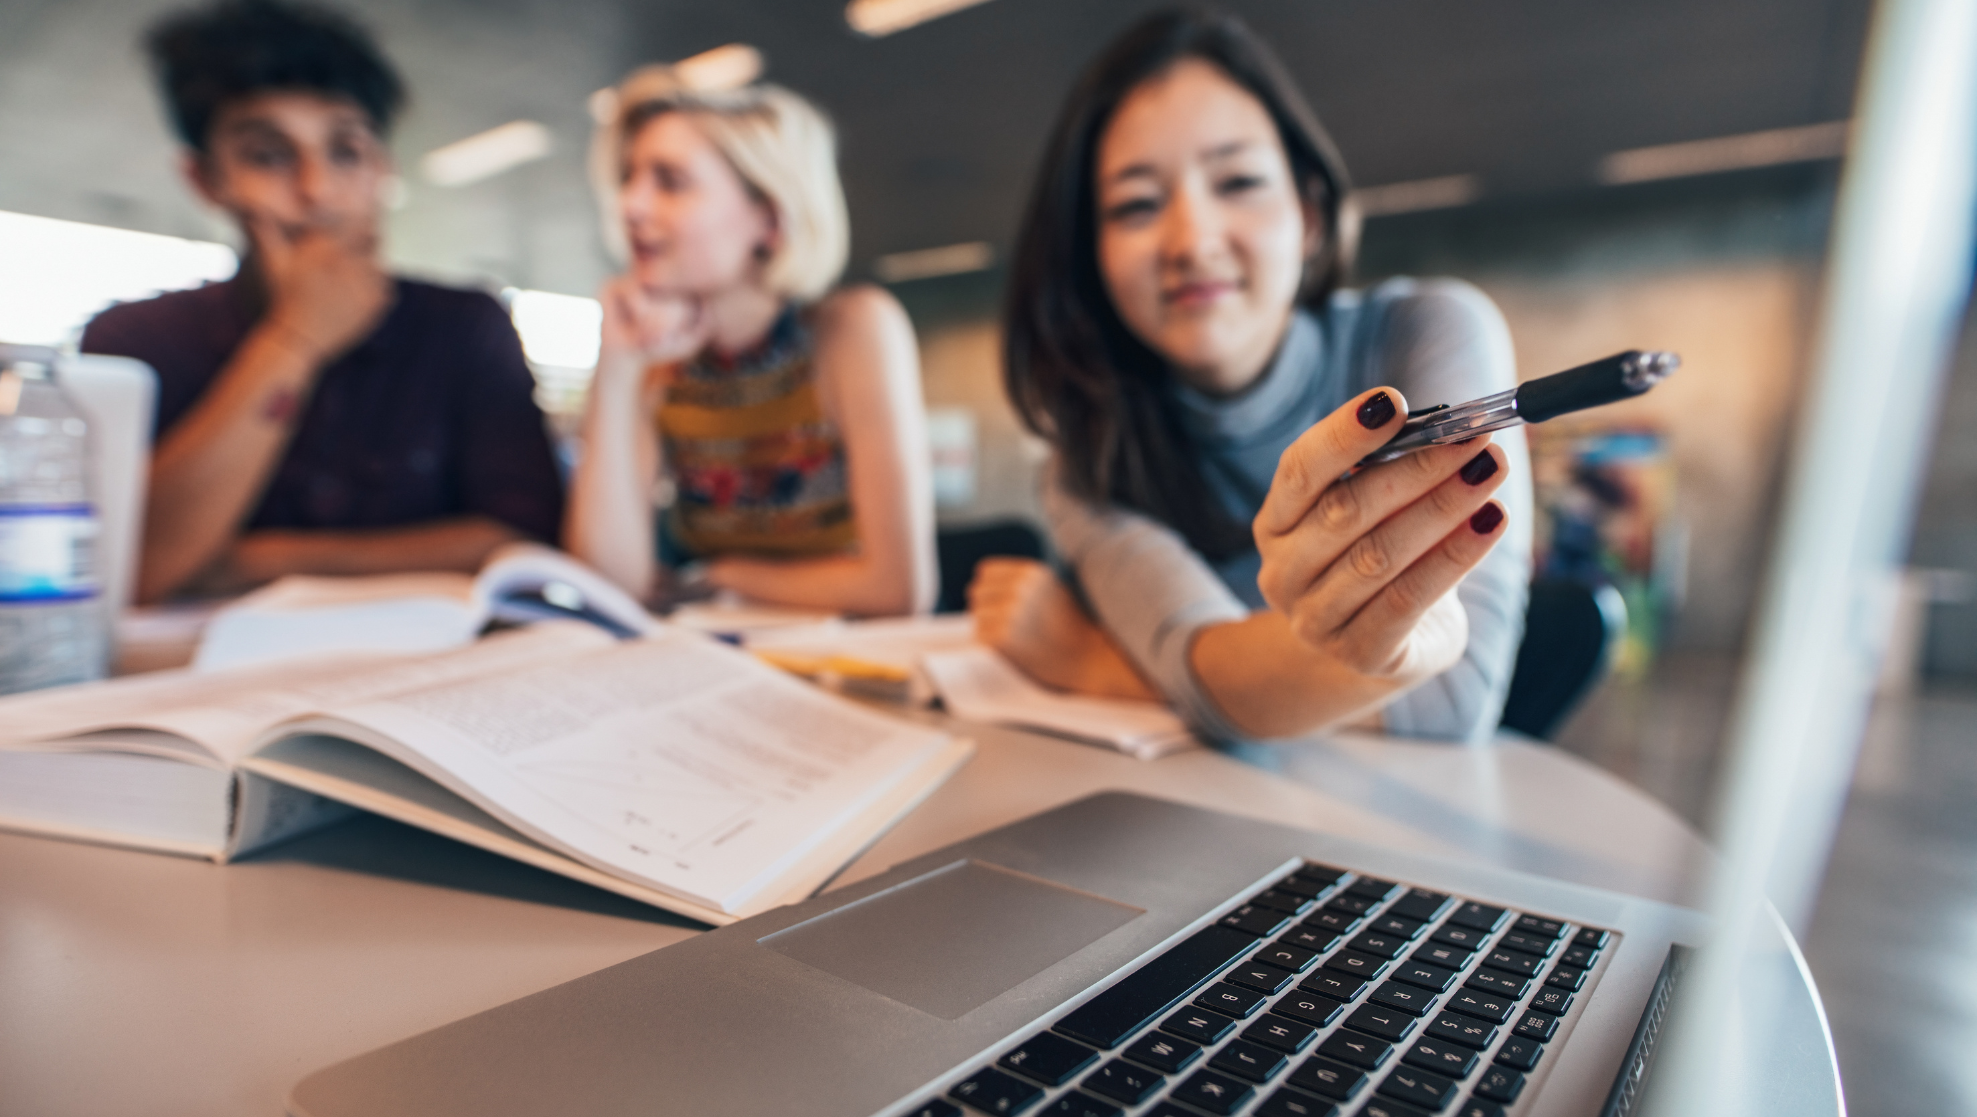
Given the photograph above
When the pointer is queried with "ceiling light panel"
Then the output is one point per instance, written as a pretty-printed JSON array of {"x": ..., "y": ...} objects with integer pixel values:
[
  {"x": 1417, "y": 194},
  {"x": 928, "y": 263},
  {"x": 728, "y": 67},
  {"x": 483, "y": 156},
  {"x": 1726, "y": 153},
  {"x": 883, "y": 17}
]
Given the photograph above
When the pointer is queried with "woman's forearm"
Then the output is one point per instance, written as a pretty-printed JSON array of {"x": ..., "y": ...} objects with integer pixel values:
[
  {"x": 609, "y": 523},
  {"x": 846, "y": 583},
  {"x": 1268, "y": 683}
]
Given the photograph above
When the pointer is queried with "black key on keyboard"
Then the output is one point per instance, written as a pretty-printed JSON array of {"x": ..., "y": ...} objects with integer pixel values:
[
  {"x": 1166, "y": 1054},
  {"x": 1515, "y": 961},
  {"x": 1311, "y": 1008},
  {"x": 1354, "y": 905},
  {"x": 1538, "y": 925},
  {"x": 1442, "y": 1058},
  {"x": 1397, "y": 925},
  {"x": 1260, "y": 976},
  {"x": 1296, "y": 959},
  {"x": 1169, "y": 1109},
  {"x": 1330, "y": 983},
  {"x": 1477, "y": 1107},
  {"x": 1500, "y": 1084},
  {"x": 1321, "y": 874},
  {"x": 1373, "y": 888},
  {"x": 1552, "y": 999},
  {"x": 1076, "y": 1104},
  {"x": 1420, "y": 904},
  {"x": 1290, "y": 903},
  {"x": 1411, "y": 999},
  {"x": 1498, "y": 982},
  {"x": 1327, "y": 1078},
  {"x": 1107, "y": 1019},
  {"x": 1201, "y": 1027},
  {"x": 1591, "y": 937},
  {"x": 1442, "y": 954},
  {"x": 1481, "y": 917},
  {"x": 1233, "y": 1000},
  {"x": 1300, "y": 886},
  {"x": 1306, "y": 937},
  {"x": 935, "y": 1107},
  {"x": 992, "y": 1091},
  {"x": 1465, "y": 1030},
  {"x": 1425, "y": 975},
  {"x": 1579, "y": 956},
  {"x": 1381, "y": 1107},
  {"x": 1537, "y": 1026},
  {"x": 1520, "y": 1053},
  {"x": 1364, "y": 1052},
  {"x": 1123, "y": 1082},
  {"x": 1216, "y": 1093},
  {"x": 1487, "y": 1006},
  {"x": 1460, "y": 936},
  {"x": 1284, "y": 1034},
  {"x": 1248, "y": 1061},
  {"x": 1565, "y": 977},
  {"x": 1529, "y": 944},
  {"x": 1419, "y": 1087},
  {"x": 1290, "y": 1103},
  {"x": 1255, "y": 919},
  {"x": 1381, "y": 1021},
  {"x": 1050, "y": 1059},
  {"x": 1378, "y": 943},
  {"x": 1332, "y": 919},
  {"x": 1354, "y": 964}
]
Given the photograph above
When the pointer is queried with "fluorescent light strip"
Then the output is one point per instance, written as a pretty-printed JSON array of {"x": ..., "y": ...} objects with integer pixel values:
[
  {"x": 726, "y": 67},
  {"x": 55, "y": 275},
  {"x": 928, "y": 263},
  {"x": 1726, "y": 153},
  {"x": 876, "y": 18},
  {"x": 1417, "y": 194},
  {"x": 482, "y": 156}
]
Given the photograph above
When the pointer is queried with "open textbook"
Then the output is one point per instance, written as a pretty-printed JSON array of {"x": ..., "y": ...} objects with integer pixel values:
[
  {"x": 306, "y": 615},
  {"x": 672, "y": 768}
]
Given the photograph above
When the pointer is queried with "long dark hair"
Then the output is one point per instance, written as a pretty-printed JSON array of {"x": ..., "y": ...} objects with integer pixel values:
[{"x": 1075, "y": 374}]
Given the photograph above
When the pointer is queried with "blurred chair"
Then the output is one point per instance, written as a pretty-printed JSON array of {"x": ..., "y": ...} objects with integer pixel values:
[
  {"x": 1570, "y": 631},
  {"x": 962, "y": 548}
]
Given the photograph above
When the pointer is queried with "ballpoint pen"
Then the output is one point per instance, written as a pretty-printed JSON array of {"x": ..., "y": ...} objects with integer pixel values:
[{"x": 1621, "y": 376}]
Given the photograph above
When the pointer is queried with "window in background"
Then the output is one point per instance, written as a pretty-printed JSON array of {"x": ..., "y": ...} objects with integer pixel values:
[{"x": 56, "y": 275}]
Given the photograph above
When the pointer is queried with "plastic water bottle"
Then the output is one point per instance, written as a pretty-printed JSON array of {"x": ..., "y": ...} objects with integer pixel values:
[{"x": 52, "y": 626}]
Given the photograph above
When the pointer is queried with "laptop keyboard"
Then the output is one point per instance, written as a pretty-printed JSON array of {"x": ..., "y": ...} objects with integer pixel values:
[{"x": 1326, "y": 994}]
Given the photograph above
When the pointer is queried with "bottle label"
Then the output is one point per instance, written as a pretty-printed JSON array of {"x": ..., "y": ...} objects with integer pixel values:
[{"x": 48, "y": 552}]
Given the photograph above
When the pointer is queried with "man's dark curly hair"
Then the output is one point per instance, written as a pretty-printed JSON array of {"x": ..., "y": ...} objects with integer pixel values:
[{"x": 205, "y": 57}]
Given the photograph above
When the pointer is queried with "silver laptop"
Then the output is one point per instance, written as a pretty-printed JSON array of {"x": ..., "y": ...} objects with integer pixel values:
[{"x": 1126, "y": 955}]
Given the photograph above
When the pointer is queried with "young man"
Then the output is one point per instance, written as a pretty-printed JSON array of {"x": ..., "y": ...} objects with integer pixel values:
[{"x": 316, "y": 414}]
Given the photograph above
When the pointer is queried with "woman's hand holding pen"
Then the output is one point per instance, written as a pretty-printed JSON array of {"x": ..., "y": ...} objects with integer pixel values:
[{"x": 1362, "y": 566}]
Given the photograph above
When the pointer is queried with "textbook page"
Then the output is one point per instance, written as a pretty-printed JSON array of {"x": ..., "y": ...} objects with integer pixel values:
[
  {"x": 980, "y": 685},
  {"x": 213, "y": 718},
  {"x": 674, "y": 761}
]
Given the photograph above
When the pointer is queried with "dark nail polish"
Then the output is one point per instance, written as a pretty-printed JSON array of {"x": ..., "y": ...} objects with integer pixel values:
[
  {"x": 1486, "y": 519},
  {"x": 1376, "y": 412},
  {"x": 1481, "y": 468}
]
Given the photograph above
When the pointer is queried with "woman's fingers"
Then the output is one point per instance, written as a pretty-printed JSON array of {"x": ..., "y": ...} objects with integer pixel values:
[
  {"x": 1378, "y": 557},
  {"x": 1384, "y": 628},
  {"x": 1347, "y": 512},
  {"x": 1322, "y": 454}
]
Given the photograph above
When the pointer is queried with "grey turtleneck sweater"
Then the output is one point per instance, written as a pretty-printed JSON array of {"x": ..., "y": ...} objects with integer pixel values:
[{"x": 1438, "y": 341}]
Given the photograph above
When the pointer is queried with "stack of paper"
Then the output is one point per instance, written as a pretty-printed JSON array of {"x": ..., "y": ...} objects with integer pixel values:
[{"x": 979, "y": 685}]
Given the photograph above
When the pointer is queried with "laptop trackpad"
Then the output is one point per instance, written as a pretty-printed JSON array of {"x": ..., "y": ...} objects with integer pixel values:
[{"x": 955, "y": 938}]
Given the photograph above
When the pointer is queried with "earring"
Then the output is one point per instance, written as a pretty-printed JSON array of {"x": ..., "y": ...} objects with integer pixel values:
[{"x": 762, "y": 253}]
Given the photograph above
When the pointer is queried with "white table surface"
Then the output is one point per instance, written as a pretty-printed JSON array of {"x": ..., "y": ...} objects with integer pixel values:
[{"x": 134, "y": 983}]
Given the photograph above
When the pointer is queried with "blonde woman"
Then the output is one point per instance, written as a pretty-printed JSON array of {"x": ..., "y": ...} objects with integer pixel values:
[{"x": 784, "y": 415}]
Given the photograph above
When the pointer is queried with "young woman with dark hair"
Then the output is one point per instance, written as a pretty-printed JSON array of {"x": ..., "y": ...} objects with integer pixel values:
[{"x": 1177, "y": 329}]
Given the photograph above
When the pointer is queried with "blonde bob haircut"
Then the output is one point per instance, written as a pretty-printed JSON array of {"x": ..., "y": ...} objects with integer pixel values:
[{"x": 782, "y": 146}]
